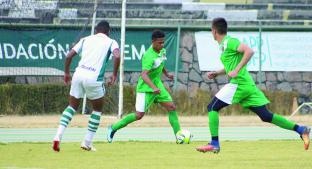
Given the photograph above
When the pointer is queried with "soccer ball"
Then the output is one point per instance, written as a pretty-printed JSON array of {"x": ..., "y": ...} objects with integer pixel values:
[{"x": 184, "y": 137}]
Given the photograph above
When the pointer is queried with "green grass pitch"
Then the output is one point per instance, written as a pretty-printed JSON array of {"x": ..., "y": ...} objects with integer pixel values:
[{"x": 157, "y": 155}]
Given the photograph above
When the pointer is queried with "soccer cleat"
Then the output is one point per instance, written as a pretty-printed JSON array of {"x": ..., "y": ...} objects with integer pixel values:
[
  {"x": 305, "y": 136},
  {"x": 110, "y": 134},
  {"x": 86, "y": 147},
  {"x": 208, "y": 148},
  {"x": 56, "y": 146}
]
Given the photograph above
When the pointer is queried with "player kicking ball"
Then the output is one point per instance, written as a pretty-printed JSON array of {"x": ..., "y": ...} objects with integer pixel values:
[
  {"x": 241, "y": 89},
  {"x": 150, "y": 88},
  {"x": 88, "y": 79}
]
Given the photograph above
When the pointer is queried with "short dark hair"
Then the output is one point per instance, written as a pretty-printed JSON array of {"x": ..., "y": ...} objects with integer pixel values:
[
  {"x": 157, "y": 34},
  {"x": 220, "y": 25},
  {"x": 102, "y": 27}
]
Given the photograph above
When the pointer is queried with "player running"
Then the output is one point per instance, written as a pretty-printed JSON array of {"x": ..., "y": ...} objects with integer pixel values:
[
  {"x": 88, "y": 79},
  {"x": 150, "y": 88},
  {"x": 241, "y": 89}
]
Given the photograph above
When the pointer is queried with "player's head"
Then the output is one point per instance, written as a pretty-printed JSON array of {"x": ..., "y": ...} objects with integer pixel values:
[
  {"x": 218, "y": 27},
  {"x": 158, "y": 39},
  {"x": 102, "y": 27}
]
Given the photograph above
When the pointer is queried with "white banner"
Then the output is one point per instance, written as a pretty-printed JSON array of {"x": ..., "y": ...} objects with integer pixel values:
[{"x": 281, "y": 51}]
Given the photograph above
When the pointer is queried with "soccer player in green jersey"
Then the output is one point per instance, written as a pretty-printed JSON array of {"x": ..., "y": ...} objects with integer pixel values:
[
  {"x": 241, "y": 89},
  {"x": 150, "y": 88}
]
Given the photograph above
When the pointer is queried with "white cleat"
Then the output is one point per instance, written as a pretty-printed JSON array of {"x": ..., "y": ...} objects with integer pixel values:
[{"x": 86, "y": 147}]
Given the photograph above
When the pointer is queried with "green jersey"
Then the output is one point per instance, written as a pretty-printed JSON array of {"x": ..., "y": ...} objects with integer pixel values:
[
  {"x": 154, "y": 63},
  {"x": 230, "y": 58},
  {"x": 241, "y": 89}
]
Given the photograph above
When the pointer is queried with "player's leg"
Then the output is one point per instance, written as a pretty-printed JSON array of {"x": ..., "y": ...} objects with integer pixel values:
[
  {"x": 65, "y": 119},
  {"x": 93, "y": 124},
  {"x": 223, "y": 98},
  {"x": 76, "y": 92},
  {"x": 143, "y": 101},
  {"x": 256, "y": 102},
  {"x": 266, "y": 116},
  {"x": 172, "y": 115},
  {"x": 95, "y": 93},
  {"x": 213, "y": 114},
  {"x": 165, "y": 100},
  {"x": 131, "y": 117}
]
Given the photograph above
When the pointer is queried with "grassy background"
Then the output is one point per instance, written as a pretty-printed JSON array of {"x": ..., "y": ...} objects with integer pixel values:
[
  {"x": 158, "y": 155},
  {"x": 42, "y": 99}
]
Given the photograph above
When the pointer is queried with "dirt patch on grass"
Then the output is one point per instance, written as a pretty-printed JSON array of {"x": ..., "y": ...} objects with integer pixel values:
[{"x": 51, "y": 121}]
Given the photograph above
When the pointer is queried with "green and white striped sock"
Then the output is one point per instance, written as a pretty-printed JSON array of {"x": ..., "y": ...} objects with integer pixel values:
[
  {"x": 94, "y": 122},
  {"x": 66, "y": 117}
]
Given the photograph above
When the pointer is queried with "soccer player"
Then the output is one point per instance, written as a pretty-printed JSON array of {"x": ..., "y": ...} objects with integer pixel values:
[
  {"x": 95, "y": 50},
  {"x": 241, "y": 89},
  {"x": 150, "y": 88}
]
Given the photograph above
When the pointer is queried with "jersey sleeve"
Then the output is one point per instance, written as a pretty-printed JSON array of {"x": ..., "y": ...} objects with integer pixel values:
[
  {"x": 233, "y": 44},
  {"x": 114, "y": 46},
  {"x": 78, "y": 46},
  {"x": 147, "y": 62}
]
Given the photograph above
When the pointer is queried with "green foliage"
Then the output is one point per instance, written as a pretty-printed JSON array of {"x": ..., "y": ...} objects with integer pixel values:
[
  {"x": 281, "y": 102},
  {"x": 18, "y": 99},
  {"x": 196, "y": 105}
]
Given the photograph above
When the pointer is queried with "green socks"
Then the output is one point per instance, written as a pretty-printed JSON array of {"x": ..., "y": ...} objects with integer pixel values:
[
  {"x": 124, "y": 122},
  {"x": 214, "y": 123},
  {"x": 282, "y": 122},
  {"x": 174, "y": 121}
]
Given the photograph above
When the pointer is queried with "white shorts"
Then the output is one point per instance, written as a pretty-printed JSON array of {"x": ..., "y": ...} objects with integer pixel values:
[
  {"x": 226, "y": 94},
  {"x": 140, "y": 102},
  {"x": 81, "y": 85}
]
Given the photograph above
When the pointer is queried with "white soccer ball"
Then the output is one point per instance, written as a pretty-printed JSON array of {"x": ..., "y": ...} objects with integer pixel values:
[{"x": 184, "y": 137}]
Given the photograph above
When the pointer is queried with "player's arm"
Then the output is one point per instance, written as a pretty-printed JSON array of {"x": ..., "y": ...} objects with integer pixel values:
[
  {"x": 76, "y": 49},
  {"x": 247, "y": 54},
  {"x": 116, "y": 54},
  {"x": 213, "y": 74},
  {"x": 68, "y": 61},
  {"x": 114, "y": 48},
  {"x": 148, "y": 81},
  {"x": 165, "y": 72},
  {"x": 220, "y": 72}
]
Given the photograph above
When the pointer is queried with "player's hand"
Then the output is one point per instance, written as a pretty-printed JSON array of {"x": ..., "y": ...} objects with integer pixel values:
[
  {"x": 66, "y": 78},
  {"x": 233, "y": 73},
  {"x": 112, "y": 80},
  {"x": 212, "y": 75},
  {"x": 170, "y": 76},
  {"x": 156, "y": 91}
]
